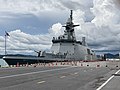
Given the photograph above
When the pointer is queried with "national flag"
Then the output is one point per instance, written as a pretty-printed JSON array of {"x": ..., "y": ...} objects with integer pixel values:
[{"x": 7, "y": 34}]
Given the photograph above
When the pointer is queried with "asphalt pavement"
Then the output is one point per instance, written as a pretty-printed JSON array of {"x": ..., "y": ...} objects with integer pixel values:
[
  {"x": 53, "y": 78},
  {"x": 113, "y": 83}
]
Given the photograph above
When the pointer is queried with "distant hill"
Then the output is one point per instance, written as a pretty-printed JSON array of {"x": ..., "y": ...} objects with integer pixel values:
[
  {"x": 109, "y": 55},
  {"x": 1, "y": 56},
  {"x": 19, "y": 55}
]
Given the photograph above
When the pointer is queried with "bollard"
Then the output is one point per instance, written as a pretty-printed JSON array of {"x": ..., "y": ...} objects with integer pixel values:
[
  {"x": 98, "y": 65},
  {"x": 61, "y": 63},
  {"x": 34, "y": 65},
  {"x": 81, "y": 64}
]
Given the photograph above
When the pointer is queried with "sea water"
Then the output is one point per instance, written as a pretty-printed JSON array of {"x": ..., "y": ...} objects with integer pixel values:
[{"x": 3, "y": 63}]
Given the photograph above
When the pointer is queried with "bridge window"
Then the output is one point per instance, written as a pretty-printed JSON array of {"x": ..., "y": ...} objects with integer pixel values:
[{"x": 88, "y": 51}]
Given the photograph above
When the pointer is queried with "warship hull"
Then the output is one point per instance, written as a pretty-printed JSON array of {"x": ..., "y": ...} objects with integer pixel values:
[
  {"x": 76, "y": 53},
  {"x": 14, "y": 60}
]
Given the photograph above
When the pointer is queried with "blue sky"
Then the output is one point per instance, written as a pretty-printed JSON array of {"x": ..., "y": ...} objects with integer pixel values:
[{"x": 32, "y": 23}]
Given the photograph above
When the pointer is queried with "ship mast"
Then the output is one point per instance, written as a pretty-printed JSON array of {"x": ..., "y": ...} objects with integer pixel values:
[
  {"x": 71, "y": 16},
  {"x": 69, "y": 28},
  {"x": 69, "y": 34}
]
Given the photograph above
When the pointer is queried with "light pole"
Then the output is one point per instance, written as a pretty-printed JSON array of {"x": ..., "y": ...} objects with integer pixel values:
[{"x": 5, "y": 45}]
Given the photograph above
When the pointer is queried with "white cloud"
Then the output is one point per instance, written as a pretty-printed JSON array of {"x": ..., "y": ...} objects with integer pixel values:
[
  {"x": 105, "y": 12},
  {"x": 99, "y": 22},
  {"x": 20, "y": 40},
  {"x": 56, "y": 29},
  {"x": 29, "y": 6}
]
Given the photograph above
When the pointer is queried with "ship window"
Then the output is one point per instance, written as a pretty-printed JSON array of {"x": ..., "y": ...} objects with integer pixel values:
[
  {"x": 58, "y": 37},
  {"x": 53, "y": 38},
  {"x": 88, "y": 51}
]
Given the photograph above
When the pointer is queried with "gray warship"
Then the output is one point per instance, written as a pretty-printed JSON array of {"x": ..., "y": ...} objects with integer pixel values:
[{"x": 64, "y": 48}]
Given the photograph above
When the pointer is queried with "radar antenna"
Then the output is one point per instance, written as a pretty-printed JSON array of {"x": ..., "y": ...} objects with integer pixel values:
[{"x": 69, "y": 34}]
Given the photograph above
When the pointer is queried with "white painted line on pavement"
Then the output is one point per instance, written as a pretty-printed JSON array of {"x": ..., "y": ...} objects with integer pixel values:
[
  {"x": 107, "y": 81},
  {"x": 75, "y": 73},
  {"x": 34, "y": 72},
  {"x": 41, "y": 82},
  {"x": 62, "y": 76}
]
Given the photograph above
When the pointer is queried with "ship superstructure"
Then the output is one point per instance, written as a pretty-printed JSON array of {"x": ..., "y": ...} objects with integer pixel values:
[{"x": 68, "y": 45}]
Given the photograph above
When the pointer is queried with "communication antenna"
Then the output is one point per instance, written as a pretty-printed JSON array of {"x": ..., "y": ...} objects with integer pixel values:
[{"x": 71, "y": 15}]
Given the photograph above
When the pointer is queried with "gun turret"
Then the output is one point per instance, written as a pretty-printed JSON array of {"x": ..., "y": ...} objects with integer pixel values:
[{"x": 39, "y": 53}]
